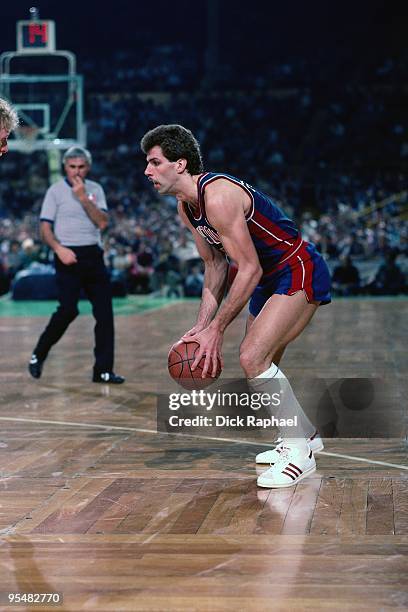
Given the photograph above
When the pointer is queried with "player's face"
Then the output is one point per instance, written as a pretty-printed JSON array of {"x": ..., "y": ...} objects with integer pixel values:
[
  {"x": 4, "y": 134},
  {"x": 76, "y": 166},
  {"x": 160, "y": 171}
]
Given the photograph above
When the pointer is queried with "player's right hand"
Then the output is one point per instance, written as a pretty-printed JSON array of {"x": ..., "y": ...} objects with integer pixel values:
[{"x": 66, "y": 256}]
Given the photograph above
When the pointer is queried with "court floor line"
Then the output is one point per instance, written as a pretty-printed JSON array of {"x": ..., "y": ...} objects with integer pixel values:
[
  {"x": 383, "y": 463},
  {"x": 166, "y": 433}
]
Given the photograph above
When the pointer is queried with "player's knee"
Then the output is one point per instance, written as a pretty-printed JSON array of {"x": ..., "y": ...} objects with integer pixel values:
[{"x": 252, "y": 362}]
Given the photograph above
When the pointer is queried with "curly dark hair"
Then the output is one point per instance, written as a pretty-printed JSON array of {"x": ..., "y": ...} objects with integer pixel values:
[{"x": 176, "y": 142}]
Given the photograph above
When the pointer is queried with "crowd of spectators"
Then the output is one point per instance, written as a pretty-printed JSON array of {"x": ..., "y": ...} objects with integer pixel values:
[
  {"x": 179, "y": 67},
  {"x": 335, "y": 158},
  {"x": 150, "y": 68}
]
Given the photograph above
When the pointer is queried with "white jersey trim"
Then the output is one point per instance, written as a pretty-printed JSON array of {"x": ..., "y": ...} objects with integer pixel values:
[{"x": 271, "y": 234}]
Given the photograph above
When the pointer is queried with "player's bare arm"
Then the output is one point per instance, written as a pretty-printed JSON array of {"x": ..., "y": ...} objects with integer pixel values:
[
  {"x": 96, "y": 215},
  {"x": 67, "y": 256},
  {"x": 215, "y": 278},
  {"x": 226, "y": 206}
]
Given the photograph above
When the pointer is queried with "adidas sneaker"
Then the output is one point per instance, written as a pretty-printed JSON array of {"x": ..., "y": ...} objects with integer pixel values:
[
  {"x": 271, "y": 456},
  {"x": 290, "y": 468}
]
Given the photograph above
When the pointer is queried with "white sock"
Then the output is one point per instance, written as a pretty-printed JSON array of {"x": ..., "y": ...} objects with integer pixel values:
[
  {"x": 269, "y": 382},
  {"x": 272, "y": 372}
]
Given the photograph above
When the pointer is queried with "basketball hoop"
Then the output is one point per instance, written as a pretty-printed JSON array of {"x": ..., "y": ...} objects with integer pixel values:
[{"x": 26, "y": 136}]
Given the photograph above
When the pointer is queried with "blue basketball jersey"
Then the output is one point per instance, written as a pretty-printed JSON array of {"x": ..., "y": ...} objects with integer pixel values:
[
  {"x": 275, "y": 236},
  {"x": 289, "y": 263}
]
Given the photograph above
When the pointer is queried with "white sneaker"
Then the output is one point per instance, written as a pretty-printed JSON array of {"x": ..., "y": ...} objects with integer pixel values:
[
  {"x": 315, "y": 443},
  {"x": 271, "y": 456},
  {"x": 291, "y": 467}
]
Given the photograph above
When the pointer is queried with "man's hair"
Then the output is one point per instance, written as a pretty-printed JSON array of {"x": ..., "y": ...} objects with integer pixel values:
[
  {"x": 76, "y": 151},
  {"x": 8, "y": 116},
  {"x": 176, "y": 142}
]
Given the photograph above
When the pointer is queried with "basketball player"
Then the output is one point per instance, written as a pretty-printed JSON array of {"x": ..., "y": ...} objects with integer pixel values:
[
  {"x": 284, "y": 278},
  {"x": 8, "y": 123}
]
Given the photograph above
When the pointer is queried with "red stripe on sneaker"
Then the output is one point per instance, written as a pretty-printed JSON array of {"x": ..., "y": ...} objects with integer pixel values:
[
  {"x": 295, "y": 467},
  {"x": 292, "y": 471},
  {"x": 289, "y": 474},
  {"x": 296, "y": 473}
]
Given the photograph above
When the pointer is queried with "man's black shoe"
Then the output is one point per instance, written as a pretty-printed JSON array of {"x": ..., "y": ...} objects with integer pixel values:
[
  {"x": 35, "y": 366},
  {"x": 109, "y": 378}
]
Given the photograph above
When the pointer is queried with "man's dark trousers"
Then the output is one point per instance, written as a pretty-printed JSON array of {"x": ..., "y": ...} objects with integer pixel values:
[{"x": 89, "y": 274}]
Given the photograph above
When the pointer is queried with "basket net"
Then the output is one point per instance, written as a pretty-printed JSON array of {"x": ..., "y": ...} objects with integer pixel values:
[{"x": 26, "y": 136}]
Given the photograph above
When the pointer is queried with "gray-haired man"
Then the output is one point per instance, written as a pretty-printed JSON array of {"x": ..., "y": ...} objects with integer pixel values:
[
  {"x": 8, "y": 123},
  {"x": 73, "y": 214}
]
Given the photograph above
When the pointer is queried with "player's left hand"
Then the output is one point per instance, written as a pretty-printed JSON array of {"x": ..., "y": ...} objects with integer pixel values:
[
  {"x": 192, "y": 332},
  {"x": 210, "y": 341},
  {"x": 78, "y": 187}
]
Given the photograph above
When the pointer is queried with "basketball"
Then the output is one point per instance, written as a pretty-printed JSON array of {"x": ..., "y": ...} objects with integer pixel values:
[{"x": 181, "y": 358}]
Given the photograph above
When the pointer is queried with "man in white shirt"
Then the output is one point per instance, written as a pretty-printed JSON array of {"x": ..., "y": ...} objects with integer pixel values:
[{"x": 73, "y": 214}]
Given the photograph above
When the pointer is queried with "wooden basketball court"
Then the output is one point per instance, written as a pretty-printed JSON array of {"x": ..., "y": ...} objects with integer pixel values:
[{"x": 97, "y": 506}]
